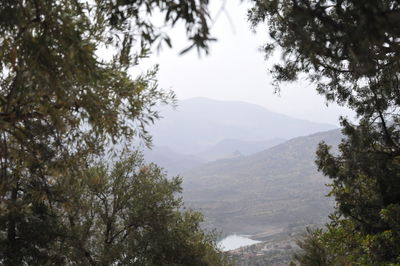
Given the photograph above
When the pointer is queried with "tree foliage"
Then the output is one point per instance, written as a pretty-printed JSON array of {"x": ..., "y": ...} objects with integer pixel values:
[
  {"x": 130, "y": 215},
  {"x": 65, "y": 95},
  {"x": 351, "y": 51}
]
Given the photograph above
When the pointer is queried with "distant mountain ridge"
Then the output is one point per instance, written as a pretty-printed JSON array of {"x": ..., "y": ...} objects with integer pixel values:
[
  {"x": 273, "y": 188},
  {"x": 261, "y": 182},
  {"x": 230, "y": 148},
  {"x": 176, "y": 163},
  {"x": 200, "y": 123}
]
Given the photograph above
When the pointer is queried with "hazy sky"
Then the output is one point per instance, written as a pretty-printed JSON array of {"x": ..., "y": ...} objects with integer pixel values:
[{"x": 236, "y": 70}]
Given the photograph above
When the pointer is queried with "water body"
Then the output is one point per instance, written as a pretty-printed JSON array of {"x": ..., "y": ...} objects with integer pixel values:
[{"x": 236, "y": 241}]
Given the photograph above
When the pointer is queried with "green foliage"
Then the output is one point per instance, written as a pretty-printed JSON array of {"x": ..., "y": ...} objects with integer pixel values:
[
  {"x": 340, "y": 243},
  {"x": 365, "y": 177},
  {"x": 350, "y": 50},
  {"x": 347, "y": 48},
  {"x": 65, "y": 96},
  {"x": 366, "y": 188},
  {"x": 130, "y": 215}
]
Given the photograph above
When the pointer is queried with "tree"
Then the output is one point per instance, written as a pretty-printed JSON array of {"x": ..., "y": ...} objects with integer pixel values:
[
  {"x": 351, "y": 51},
  {"x": 130, "y": 215},
  {"x": 62, "y": 104}
]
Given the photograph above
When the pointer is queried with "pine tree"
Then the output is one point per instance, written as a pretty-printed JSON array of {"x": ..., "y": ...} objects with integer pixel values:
[{"x": 350, "y": 50}]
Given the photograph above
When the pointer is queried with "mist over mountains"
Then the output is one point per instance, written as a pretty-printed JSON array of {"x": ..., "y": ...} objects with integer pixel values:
[
  {"x": 202, "y": 130},
  {"x": 248, "y": 170},
  {"x": 230, "y": 148},
  {"x": 278, "y": 187},
  {"x": 200, "y": 123}
]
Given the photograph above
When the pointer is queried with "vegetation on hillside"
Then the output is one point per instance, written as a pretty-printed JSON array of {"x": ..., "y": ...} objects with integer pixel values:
[
  {"x": 266, "y": 191},
  {"x": 350, "y": 49}
]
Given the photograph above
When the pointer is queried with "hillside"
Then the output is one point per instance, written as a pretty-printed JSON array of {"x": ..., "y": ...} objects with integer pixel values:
[
  {"x": 198, "y": 124},
  {"x": 229, "y": 148},
  {"x": 272, "y": 189},
  {"x": 174, "y": 163}
]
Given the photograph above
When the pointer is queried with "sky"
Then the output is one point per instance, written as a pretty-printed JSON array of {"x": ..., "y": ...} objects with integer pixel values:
[{"x": 235, "y": 70}]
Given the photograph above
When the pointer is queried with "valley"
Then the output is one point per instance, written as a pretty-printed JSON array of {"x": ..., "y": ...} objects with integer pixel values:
[
  {"x": 253, "y": 176},
  {"x": 278, "y": 187}
]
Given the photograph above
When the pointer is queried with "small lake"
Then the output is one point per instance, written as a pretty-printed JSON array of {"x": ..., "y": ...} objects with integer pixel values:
[{"x": 236, "y": 241}]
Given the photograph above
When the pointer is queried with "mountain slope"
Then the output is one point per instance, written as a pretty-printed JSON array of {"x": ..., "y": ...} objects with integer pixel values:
[
  {"x": 273, "y": 188},
  {"x": 229, "y": 148},
  {"x": 200, "y": 123},
  {"x": 174, "y": 163}
]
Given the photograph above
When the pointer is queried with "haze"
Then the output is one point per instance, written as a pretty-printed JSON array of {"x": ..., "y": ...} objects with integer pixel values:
[{"x": 235, "y": 70}]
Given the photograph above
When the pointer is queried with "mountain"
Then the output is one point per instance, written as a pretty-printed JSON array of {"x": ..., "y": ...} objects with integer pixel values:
[
  {"x": 200, "y": 123},
  {"x": 174, "y": 163},
  {"x": 229, "y": 148},
  {"x": 275, "y": 188}
]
